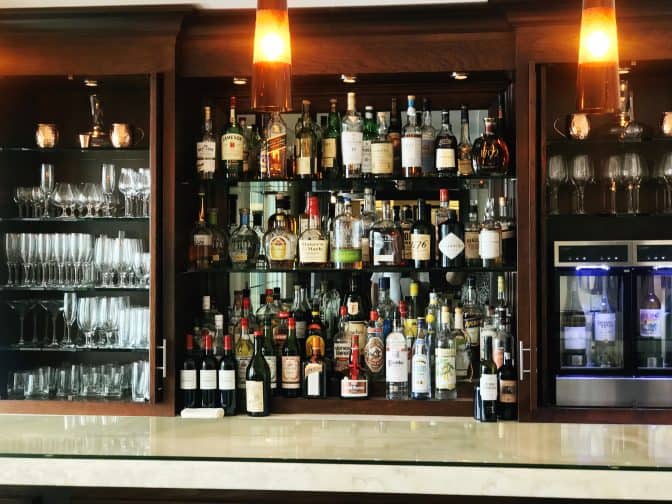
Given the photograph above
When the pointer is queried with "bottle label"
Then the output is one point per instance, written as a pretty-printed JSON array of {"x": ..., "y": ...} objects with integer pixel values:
[
  {"x": 488, "y": 385},
  {"x": 574, "y": 338},
  {"x": 396, "y": 359},
  {"x": 208, "y": 379},
  {"x": 301, "y": 330},
  {"x": 291, "y": 372},
  {"x": 238, "y": 256},
  {"x": 427, "y": 154},
  {"x": 382, "y": 246},
  {"x": 374, "y": 351},
  {"x": 472, "y": 326},
  {"x": 254, "y": 396},
  {"x": 357, "y": 330},
  {"x": 353, "y": 308},
  {"x": 649, "y": 324},
  {"x": 188, "y": 379},
  {"x": 462, "y": 360},
  {"x": 420, "y": 375},
  {"x": 411, "y": 151},
  {"x": 243, "y": 362},
  {"x": 421, "y": 245},
  {"x": 407, "y": 243},
  {"x": 205, "y": 157},
  {"x": 605, "y": 327},
  {"x": 508, "y": 234},
  {"x": 498, "y": 357},
  {"x": 471, "y": 245},
  {"x": 451, "y": 246},
  {"x": 366, "y": 157},
  {"x": 277, "y": 144},
  {"x": 202, "y": 240},
  {"x": 313, "y": 251},
  {"x": 346, "y": 255},
  {"x": 227, "y": 379},
  {"x": 279, "y": 249},
  {"x": 351, "y": 145},
  {"x": 328, "y": 152},
  {"x": 366, "y": 253},
  {"x": 464, "y": 166},
  {"x": 382, "y": 158},
  {"x": 232, "y": 147},
  {"x": 315, "y": 340},
  {"x": 354, "y": 388},
  {"x": 489, "y": 244},
  {"x": 341, "y": 356},
  {"x": 272, "y": 365},
  {"x": 508, "y": 391},
  {"x": 445, "y": 159},
  {"x": 312, "y": 371},
  {"x": 303, "y": 165},
  {"x": 445, "y": 373}
]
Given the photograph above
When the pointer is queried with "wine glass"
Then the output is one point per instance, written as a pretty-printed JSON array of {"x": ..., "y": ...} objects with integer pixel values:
[
  {"x": 144, "y": 183},
  {"x": 633, "y": 171},
  {"x": 127, "y": 187},
  {"x": 612, "y": 172},
  {"x": 54, "y": 307},
  {"x": 87, "y": 309},
  {"x": 46, "y": 185},
  {"x": 557, "y": 175},
  {"x": 18, "y": 197},
  {"x": 108, "y": 184},
  {"x": 69, "y": 317},
  {"x": 20, "y": 306},
  {"x": 581, "y": 174}
]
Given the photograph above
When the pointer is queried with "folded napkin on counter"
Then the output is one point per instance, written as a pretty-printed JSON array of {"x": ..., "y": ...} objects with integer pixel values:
[{"x": 202, "y": 413}]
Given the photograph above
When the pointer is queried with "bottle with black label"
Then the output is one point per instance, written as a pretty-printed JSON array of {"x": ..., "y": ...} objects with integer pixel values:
[
  {"x": 508, "y": 387},
  {"x": 451, "y": 242},
  {"x": 422, "y": 238}
]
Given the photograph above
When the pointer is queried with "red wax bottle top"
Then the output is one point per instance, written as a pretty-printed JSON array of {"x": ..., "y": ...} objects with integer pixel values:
[
  {"x": 343, "y": 311},
  {"x": 208, "y": 342},
  {"x": 373, "y": 314},
  {"x": 227, "y": 342},
  {"x": 283, "y": 314},
  {"x": 313, "y": 205},
  {"x": 190, "y": 341},
  {"x": 246, "y": 303},
  {"x": 402, "y": 308},
  {"x": 443, "y": 194},
  {"x": 291, "y": 323},
  {"x": 258, "y": 334},
  {"x": 244, "y": 322}
]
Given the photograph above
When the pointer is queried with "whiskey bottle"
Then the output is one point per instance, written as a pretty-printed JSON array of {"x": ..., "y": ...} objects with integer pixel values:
[
  {"x": 280, "y": 245},
  {"x": 370, "y": 133},
  {"x": 314, "y": 375},
  {"x": 244, "y": 244},
  {"x": 411, "y": 143},
  {"x": 451, "y": 242},
  {"x": 258, "y": 381},
  {"x": 200, "y": 248},
  {"x": 394, "y": 136},
  {"x": 206, "y": 148},
  {"x": 446, "y": 148},
  {"x": 508, "y": 229},
  {"x": 428, "y": 139},
  {"x": 306, "y": 142},
  {"x": 420, "y": 366},
  {"x": 313, "y": 244},
  {"x": 283, "y": 206},
  {"x": 233, "y": 145},
  {"x": 275, "y": 135},
  {"x": 573, "y": 328},
  {"x": 382, "y": 151},
  {"x": 387, "y": 243},
  {"x": 422, "y": 238},
  {"x": 472, "y": 231},
  {"x": 464, "y": 154},
  {"x": 445, "y": 378},
  {"x": 396, "y": 362},
  {"x": 331, "y": 165},
  {"x": 351, "y": 140},
  {"x": 346, "y": 246},
  {"x": 490, "y": 153},
  {"x": 489, "y": 238},
  {"x": 374, "y": 349}
]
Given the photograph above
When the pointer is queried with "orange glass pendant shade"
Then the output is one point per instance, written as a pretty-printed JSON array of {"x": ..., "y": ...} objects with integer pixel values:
[
  {"x": 272, "y": 61},
  {"x": 597, "y": 88}
]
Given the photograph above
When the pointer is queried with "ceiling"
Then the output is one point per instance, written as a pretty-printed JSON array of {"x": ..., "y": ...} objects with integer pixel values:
[{"x": 222, "y": 4}]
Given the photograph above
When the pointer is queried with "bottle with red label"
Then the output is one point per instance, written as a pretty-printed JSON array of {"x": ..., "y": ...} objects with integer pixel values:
[{"x": 374, "y": 349}]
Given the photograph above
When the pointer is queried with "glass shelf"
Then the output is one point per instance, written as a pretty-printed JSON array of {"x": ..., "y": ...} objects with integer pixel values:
[
  {"x": 70, "y": 350},
  {"x": 39, "y": 288},
  {"x": 59, "y": 150},
  {"x": 74, "y": 219},
  {"x": 374, "y": 269}
]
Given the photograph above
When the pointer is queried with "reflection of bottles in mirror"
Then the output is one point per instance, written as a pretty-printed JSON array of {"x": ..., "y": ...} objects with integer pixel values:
[
  {"x": 573, "y": 328},
  {"x": 650, "y": 333},
  {"x": 607, "y": 351}
]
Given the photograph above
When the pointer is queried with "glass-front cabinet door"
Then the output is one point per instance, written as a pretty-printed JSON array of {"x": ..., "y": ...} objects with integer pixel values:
[{"x": 654, "y": 330}]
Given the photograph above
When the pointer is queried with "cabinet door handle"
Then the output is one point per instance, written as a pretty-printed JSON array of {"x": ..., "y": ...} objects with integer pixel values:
[
  {"x": 164, "y": 360},
  {"x": 521, "y": 361}
]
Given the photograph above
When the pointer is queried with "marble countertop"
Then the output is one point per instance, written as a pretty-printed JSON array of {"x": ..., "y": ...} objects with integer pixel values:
[{"x": 348, "y": 453}]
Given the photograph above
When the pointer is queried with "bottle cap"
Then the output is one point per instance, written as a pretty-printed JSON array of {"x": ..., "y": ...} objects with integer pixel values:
[
  {"x": 403, "y": 310},
  {"x": 373, "y": 315},
  {"x": 313, "y": 205},
  {"x": 414, "y": 288},
  {"x": 343, "y": 311},
  {"x": 244, "y": 322},
  {"x": 233, "y": 102},
  {"x": 291, "y": 323},
  {"x": 190, "y": 341},
  {"x": 219, "y": 321},
  {"x": 208, "y": 341},
  {"x": 227, "y": 342},
  {"x": 206, "y": 302},
  {"x": 269, "y": 292},
  {"x": 443, "y": 195},
  {"x": 384, "y": 283},
  {"x": 258, "y": 334}
]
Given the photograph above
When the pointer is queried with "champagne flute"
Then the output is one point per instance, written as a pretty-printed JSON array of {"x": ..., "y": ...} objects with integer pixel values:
[
  {"x": 557, "y": 175},
  {"x": 69, "y": 316},
  {"x": 47, "y": 185},
  {"x": 108, "y": 183},
  {"x": 581, "y": 175}
]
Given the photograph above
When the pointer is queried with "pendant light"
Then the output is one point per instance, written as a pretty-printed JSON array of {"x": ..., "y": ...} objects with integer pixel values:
[
  {"x": 597, "y": 87},
  {"x": 272, "y": 60}
]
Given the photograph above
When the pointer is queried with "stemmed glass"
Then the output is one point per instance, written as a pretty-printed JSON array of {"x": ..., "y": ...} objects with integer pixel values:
[
  {"x": 87, "y": 309},
  {"x": 144, "y": 183},
  {"x": 83, "y": 257},
  {"x": 127, "y": 187},
  {"x": 46, "y": 185},
  {"x": 581, "y": 174},
  {"x": 20, "y": 306},
  {"x": 19, "y": 199},
  {"x": 633, "y": 171},
  {"x": 78, "y": 202},
  {"x": 34, "y": 307},
  {"x": 37, "y": 199},
  {"x": 129, "y": 247},
  {"x": 63, "y": 198},
  {"x": 557, "y": 175},
  {"x": 61, "y": 246},
  {"x": 44, "y": 255},
  {"x": 12, "y": 250},
  {"x": 665, "y": 172},
  {"x": 612, "y": 173},
  {"x": 69, "y": 316},
  {"x": 27, "y": 248},
  {"x": 54, "y": 307},
  {"x": 108, "y": 183}
]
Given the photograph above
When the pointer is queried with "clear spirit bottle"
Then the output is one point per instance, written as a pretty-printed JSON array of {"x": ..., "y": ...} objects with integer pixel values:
[
  {"x": 382, "y": 151},
  {"x": 428, "y": 139},
  {"x": 244, "y": 244},
  {"x": 489, "y": 238},
  {"x": 206, "y": 148},
  {"x": 387, "y": 241},
  {"x": 370, "y": 133},
  {"x": 464, "y": 154},
  {"x": 420, "y": 365},
  {"x": 411, "y": 143},
  {"x": 351, "y": 140},
  {"x": 446, "y": 148},
  {"x": 346, "y": 246}
]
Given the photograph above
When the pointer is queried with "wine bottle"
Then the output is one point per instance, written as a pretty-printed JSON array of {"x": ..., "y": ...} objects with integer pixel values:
[
  {"x": 314, "y": 375},
  {"x": 270, "y": 354},
  {"x": 291, "y": 362},
  {"x": 508, "y": 387},
  {"x": 207, "y": 376},
  {"x": 188, "y": 380},
  {"x": 488, "y": 385},
  {"x": 422, "y": 238},
  {"x": 258, "y": 381},
  {"x": 573, "y": 327},
  {"x": 227, "y": 378}
]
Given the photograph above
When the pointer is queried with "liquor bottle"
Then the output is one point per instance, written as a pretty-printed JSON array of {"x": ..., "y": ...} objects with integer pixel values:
[
  {"x": 382, "y": 151},
  {"x": 218, "y": 338},
  {"x": 387, "y": 242},
  {"x": 258, "y": 228},
  {"x": 411, "y": 143},
  {"x": 233, "y": 143},
  {"x": 472, "y": 232},
  {"x": 396, "y": 362},
  {"x": 258, "y": 381},
  {"x": 370, "y": 133},
  {"x": 313, "y": 244},
  {"x": 300, "y": 315},
  {"x": 489, "y": 329},
  {"x": 368, "y": 218},
  {"x": 508, "y": 387},
  {"x": 188, "y": 380},
  {"x": 314, "y": 335},
  {"x": 463, "y": 367},
  {"x": 218, "y": 248},
  {"x": 346, "y": 246},
  {"x": 267, "y": 311},
  {"x": 291, "y": 362},
  {"x": 464, "y": 155},
  {"x": 451, "y": 242},
  {"x": 406, "y": 224},
  {"x": 330, "y": 143},
  {"x": 502, "y": 307},
  {"x": 233, "y": 210},
  {"x": 244, "y": 350},
  {"x": 573, "y": 328},
  {"x": 422, "y": 238},
  {"x": 488, "y": 386},
  {"x": 242, "y": 124},
  {"x": 420, "y": 366},
  {"x": 275, "y": 135},
  {"x": 226, "y": 379},
  {"x": 386, "y": 308},
  {"x": 394, "y": 135},
  {"x": 206, "y": 148},
  {"x": 306, "y": 143},
  {"x": 490, "y": 152},
  {"x": 206, "y": 324},
  {"x": 245, "y": 314},
  {"x": 374, "y": 348},
  {"x": 281, "y": 332},
  {"x": 207, "y": 376},
  {"x": 280, "y": 244},
  {"x": 473, "y": 317},
  {"x": 283, "y": 206},
  {"x": 244, "y": 244},
  {"x": 411, "y": 315},
  {"x": 604, "y": 332},
  {"x": 489, "y": 239},
  {"x": 446, "y": 148},
  {"x": 270, "y": 354},
  {"x": 428, "y": 139},
  {"x": 357, "y": 310},
  {"x": 303, "y": 217},
  {"x": 342, "y": 343},
  {"x": 201, "y": 239},
  {"x": 650, "y": 329},
  {"x": 441, "y": 216},
  {"x": 262, "y": 120},
  {"x": 355, "y": 384},
  {"x": 508, "y": 230},
  {"x": 351, "y": 140},
  {"x": 445, "y": 377},
  {"x": 314, "y": 375}
]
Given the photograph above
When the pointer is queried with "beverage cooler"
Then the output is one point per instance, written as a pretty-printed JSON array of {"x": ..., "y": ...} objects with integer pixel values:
[{"x": 610, "y": 323}]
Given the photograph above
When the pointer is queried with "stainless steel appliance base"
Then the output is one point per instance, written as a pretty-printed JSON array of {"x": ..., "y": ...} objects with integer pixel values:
[{"x": 629, "y": 392}]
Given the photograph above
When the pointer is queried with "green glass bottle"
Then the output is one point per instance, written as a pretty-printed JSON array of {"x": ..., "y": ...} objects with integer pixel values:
[
  {"x": 233, "y": 146},
  {"x": 330, "y": 140}
]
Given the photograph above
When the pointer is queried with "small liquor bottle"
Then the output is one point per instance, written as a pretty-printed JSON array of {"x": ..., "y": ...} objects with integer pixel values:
[
  {"x": 201, "y": 239},
  {"x": 370, "y": 133},
  {"x": 508, "y": 387},
  {"x": 280, "y": 244},
  {"x": 206, "y": 148},
  {"x": 420, "y": 366},
  {"x": 490, "y": 153},
  {"x": 355, "y": 384},
  {"x": 258, "y": 381},
  {"x": 275, "y": 135},
  {"x": 488, "y": 386},
  {"x": 382, "y": 151},
  {"x": 422, "y": 238},
  {"x": 227, "y": 378},
  {"x": 411, "y": 143},
  {"x": 306, "y": 143},
  {"x": 508, "y": 227},
  {"x": 244, "y": 244},
  {"x": 314, "y": 375},
  {"x": 291, "y": 362},
  {"x": 489, "y": 239},
  {"x": 342, "y": 343},
  {"x": 188, "y": 380},
  {"x": 368, "y": 218},
  {"x": 464, "y": 156},
  {"x": 351, "y": 140},
  {"x": 387, "y": 242},
  {"x": 207, "y": 376},
  {"x": 394, "y": 136},
  {"x": 396, "y": 362},
  {"x": 445, "y": 377},
  {"x": 428, "y": 139},
  {"x": 451, "y": 242},
  {"x": 331, "y": 166},
  {"x": 233, "y": 145},
  {"x": 446, "y": 148},
  {"x": 472, "y": 231},
  {"x": 313, "y": 244},
  {"x": 374, "y": 349},
  {"x": 346, "y": 247}
]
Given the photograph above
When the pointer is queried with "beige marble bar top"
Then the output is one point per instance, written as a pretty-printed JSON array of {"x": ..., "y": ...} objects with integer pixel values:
[{"x": 351, "y": 453}]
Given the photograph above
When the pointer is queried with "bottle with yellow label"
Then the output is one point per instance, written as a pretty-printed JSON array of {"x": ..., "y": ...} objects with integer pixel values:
[{"x": 280, "y": 244}]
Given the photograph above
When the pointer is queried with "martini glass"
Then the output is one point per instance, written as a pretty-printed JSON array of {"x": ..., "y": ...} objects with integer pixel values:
[
  {"x": 20, "y": 306},
  {"x": 54, "y": 307}
]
